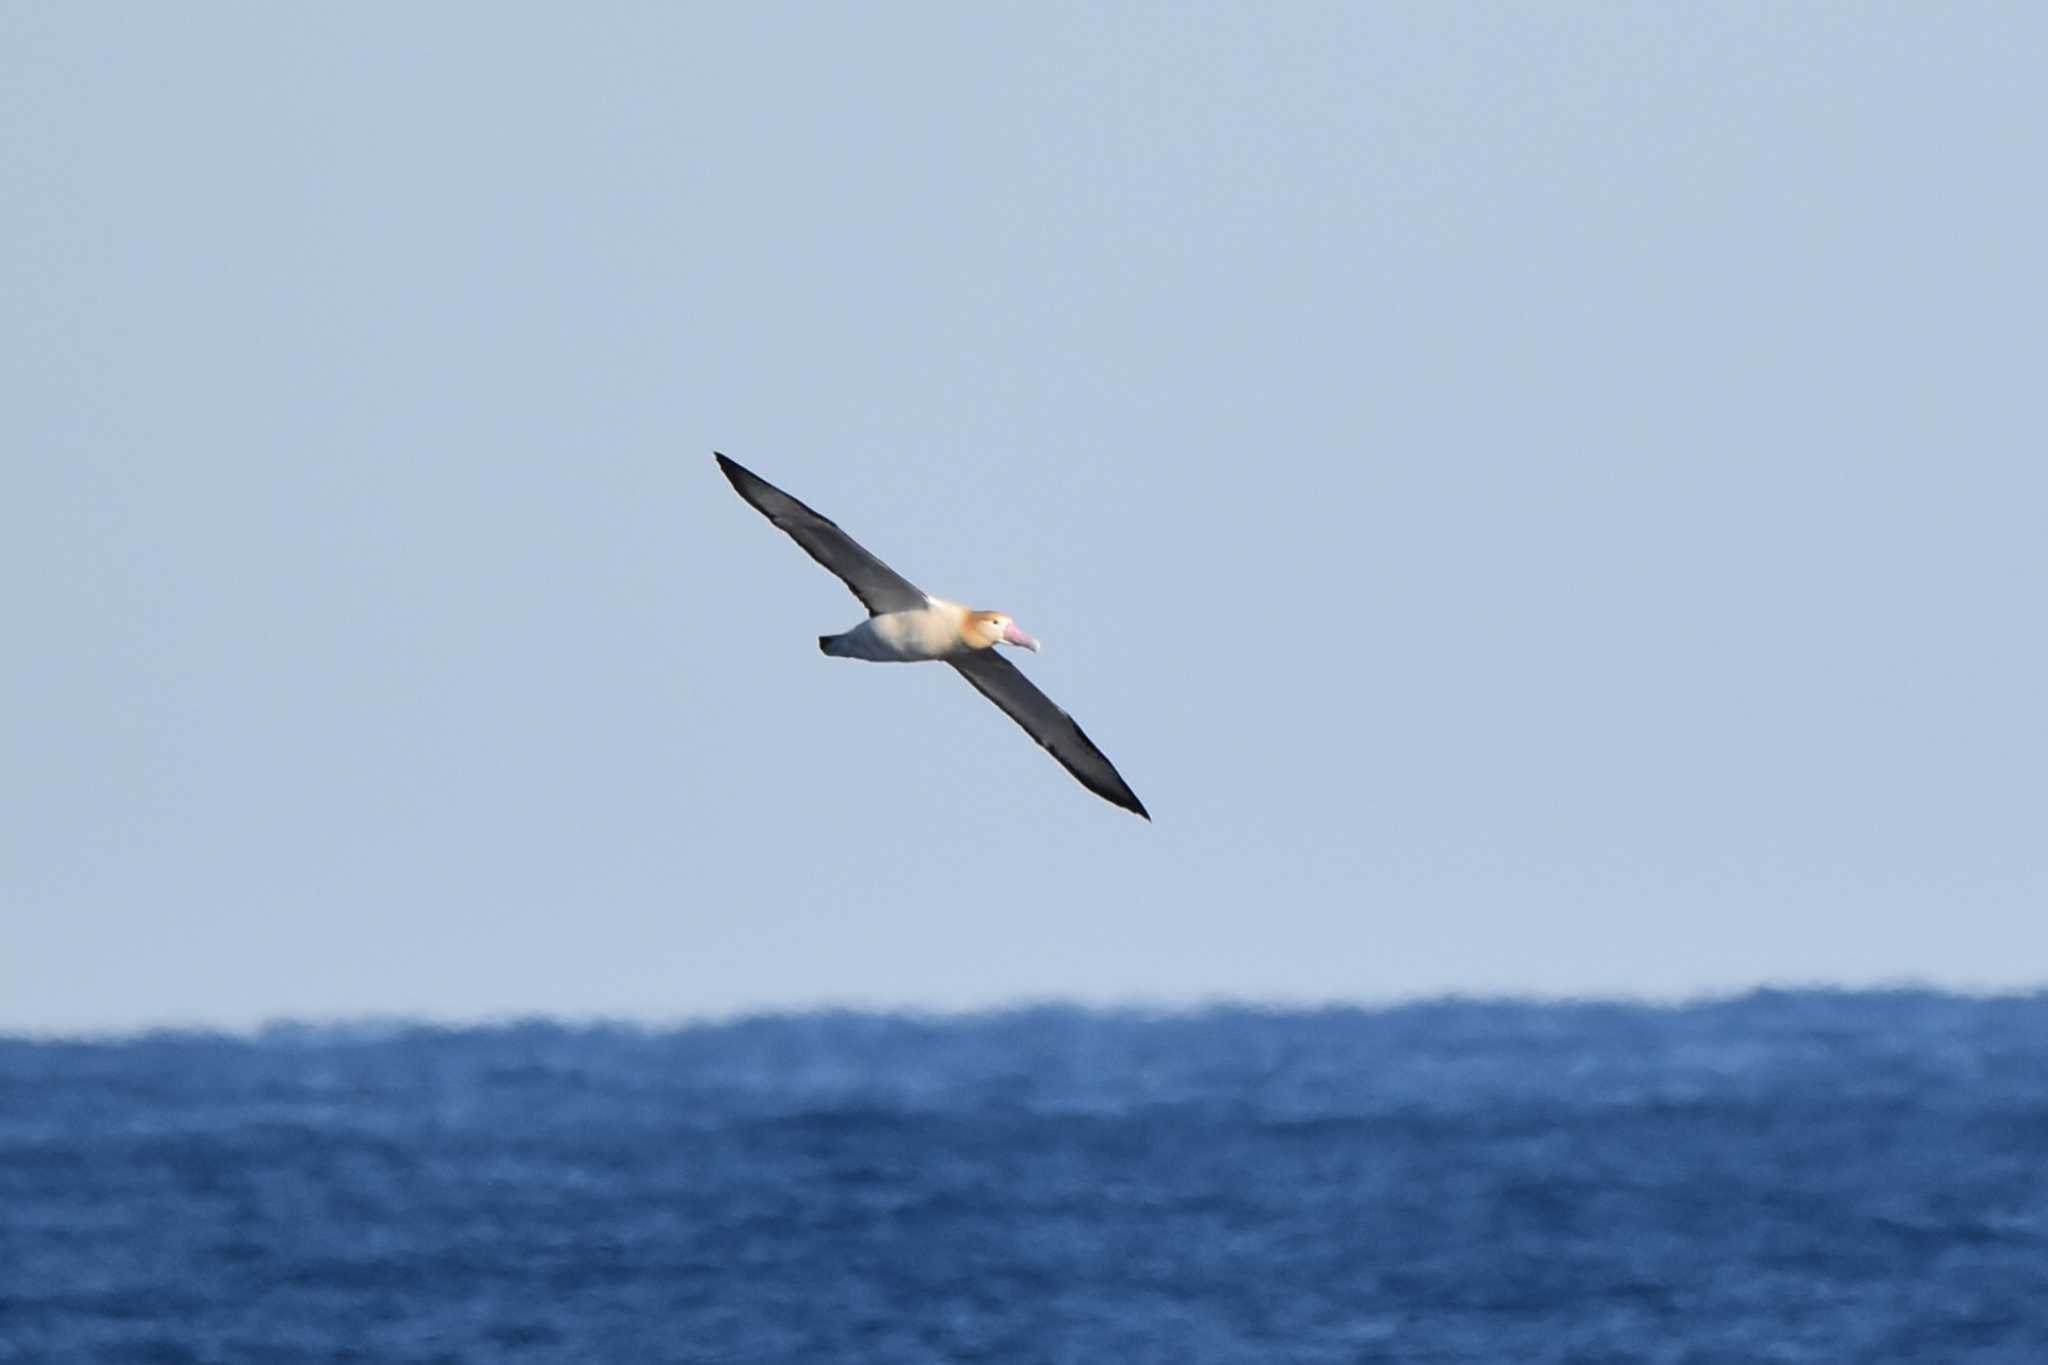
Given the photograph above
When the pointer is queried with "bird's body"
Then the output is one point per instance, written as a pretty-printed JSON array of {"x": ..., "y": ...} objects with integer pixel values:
[
  {"x": 907, "y": 625},
  {"x": 934, "y": 631}
]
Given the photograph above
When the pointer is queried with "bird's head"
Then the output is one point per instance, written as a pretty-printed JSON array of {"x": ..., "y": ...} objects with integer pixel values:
[{"x": 986, "y": 628}]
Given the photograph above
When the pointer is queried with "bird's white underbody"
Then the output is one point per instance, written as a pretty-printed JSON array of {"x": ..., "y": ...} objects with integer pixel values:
[{"x": 938, "y": 631}]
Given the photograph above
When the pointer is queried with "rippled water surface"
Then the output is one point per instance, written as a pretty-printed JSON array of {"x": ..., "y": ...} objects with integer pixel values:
[{"x": 1784, "y": 1177}]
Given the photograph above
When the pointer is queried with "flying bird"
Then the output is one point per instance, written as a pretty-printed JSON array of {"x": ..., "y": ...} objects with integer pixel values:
[{"x": 908, "y": 625}]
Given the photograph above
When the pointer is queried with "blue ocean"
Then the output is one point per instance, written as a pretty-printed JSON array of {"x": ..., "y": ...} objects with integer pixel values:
[{"x": 1785, "y": 1176}]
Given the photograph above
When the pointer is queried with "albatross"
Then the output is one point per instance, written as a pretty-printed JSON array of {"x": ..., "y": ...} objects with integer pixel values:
[{"x": 908, "y": 625}]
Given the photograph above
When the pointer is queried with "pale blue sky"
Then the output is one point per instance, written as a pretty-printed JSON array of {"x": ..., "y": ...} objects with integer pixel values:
[{"x": 1534, "y": 500}]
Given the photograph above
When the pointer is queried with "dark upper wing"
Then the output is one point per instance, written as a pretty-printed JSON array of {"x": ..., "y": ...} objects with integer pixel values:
[
  {"x": 998, "y": 679},
  {"x": 879, "y": 587}
]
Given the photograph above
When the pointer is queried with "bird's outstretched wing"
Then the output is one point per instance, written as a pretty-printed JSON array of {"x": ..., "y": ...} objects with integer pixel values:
[
  {"x": 998, "y": 679},
  {"x": 880, "y": 588}
]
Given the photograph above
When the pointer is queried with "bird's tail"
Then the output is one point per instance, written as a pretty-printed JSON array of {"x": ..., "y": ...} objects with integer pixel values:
[{"x": 825, "y": 643}]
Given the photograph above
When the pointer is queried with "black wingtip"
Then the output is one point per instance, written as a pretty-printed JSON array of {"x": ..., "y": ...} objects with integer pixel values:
[{"x": 739, "y": 476}]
